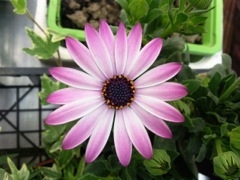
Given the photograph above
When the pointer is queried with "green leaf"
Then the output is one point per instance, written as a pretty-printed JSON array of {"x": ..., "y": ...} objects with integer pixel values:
[
  {"x": 20, "y": 6},
  {"x": 188, "y": 122},
  {"x": 81, "y": 168},
  {"x": 89, "y": 177},
  {"x": 48, "y": 86},
  {"x": 52, "y": 134},
  {"x": 224, "y": 129},
  {"x": 200, "y": 4},
  {"x": 98, "y": 168},
  {"x": 22, "y": 174},
  {"x": 5, "y": 175},
  {"x": 235, "y": 138},
  {"x": 214, "y": 83},
  {"x": 57, "y": 146},
  {"x": 198, "y": 20},
  {"x": 202, "y": 153},
  {"x": 138, "y": 9},
  {"x": 159, "y": 164},
  {"x": 227, "y": 63},
  {"x": 192, "y": 85},
  {"x": 65, "y": 157},
  {"x": 172, "y": 45},
  {"x": 185, "y": 73},
  {"x": 43, "y": 48},
  {"x": 3, "y": 158},
  {"x": 123, "y": 4},
  {"x": 152, "y": 15},
  {"x": 180, "y": 18},
  {"x": 216, "y": 116},
  {"x": 162, "y": 143},
  {"x": 198, "y": 124},
  {"x": 51, "y": 172}
]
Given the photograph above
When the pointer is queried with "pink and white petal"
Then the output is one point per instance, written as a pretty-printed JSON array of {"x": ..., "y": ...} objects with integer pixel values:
[
  {"x": 137, "y": 133},
  {"x": 82, "y": 130},
  {"x": 74, "y": 110},
  {"x": 134, "y": 44},
  {"x": 158, "y": 75},
  {"x": 168, "y": 91},
  {"x": 99, "y": 135},
  {"x": 75, "y": 78},
  {"x": 121, "y": 49},
  {"x": 122, "y": 141},
  {"x": 145, "y": 58},
  {"x": 153, "y": 123},
  {"x": 68, "y": 95},
  {"x": 108, "y": 38},
  {"x": 83, "y": 58},
  {"x": 99, "y": 51},
  {"x": 159, "y": 108}
]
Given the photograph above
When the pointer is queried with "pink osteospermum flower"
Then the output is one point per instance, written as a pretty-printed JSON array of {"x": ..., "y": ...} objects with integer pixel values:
[{"x": 115, "y": 91}]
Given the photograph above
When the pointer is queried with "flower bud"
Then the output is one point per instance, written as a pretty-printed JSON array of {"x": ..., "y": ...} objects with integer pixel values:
[
  {"x": 159, "y": 164},
  {"x": 227, "y": 165}
]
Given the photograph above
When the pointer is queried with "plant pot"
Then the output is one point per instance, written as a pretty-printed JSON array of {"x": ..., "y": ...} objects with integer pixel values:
[
  {"x": 212, "y": 39},
  {"x": 54, "y": 21}
]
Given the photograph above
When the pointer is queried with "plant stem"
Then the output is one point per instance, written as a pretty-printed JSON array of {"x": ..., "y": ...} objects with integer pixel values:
[
  {"x": 218, "y": 146},
  {"x": 58, "y": 60},
  {"x": 226, "y": 94},
  {"x": 167, "y": 31},
  {"x": 29, "y": 15},
  {"x": 188, "y": 8}
]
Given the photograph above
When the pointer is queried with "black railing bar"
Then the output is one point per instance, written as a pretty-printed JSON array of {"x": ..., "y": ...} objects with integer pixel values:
[
  {"x": 23, "y": 135},
  {"x": 19, "y": 100},
  {"x": 22, "y": 131}
]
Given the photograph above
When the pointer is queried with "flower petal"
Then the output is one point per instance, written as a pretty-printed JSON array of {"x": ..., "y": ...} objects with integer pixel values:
[
  {"x": 158, "y": 75},
  {"x": 168, "y": 91},
  {"x": 74, "y": 110},
  {"x": 159, "y": 108},
  {"x": 83, "y": 58},
  {"x": 134, "y": 42},
  {"x": 137, "y": 133},
  {"x": 122, "y": 141},
  {"x": 153, "y": 123},
  {"x": 99, "y": 135},
  {"x": 75, "y": 78},
  {"x": 99, "y": 51},
  {"x": 82, "y": 130},
  {"x": 145, "y": 58},
  {"x": 107, "y": 36},
  {"x": 121, "y": 49},
  {"x": 68, "y": 95}
]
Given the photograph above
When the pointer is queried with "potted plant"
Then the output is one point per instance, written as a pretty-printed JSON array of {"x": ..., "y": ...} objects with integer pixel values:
[{"x": 207, "y": 25}]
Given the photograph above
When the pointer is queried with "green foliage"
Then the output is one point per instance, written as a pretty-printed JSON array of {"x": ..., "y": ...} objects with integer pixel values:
[
  {"x": 43, "y": 48},
  {"x": 137, "y": 9},
  {"x": 22, "y": 174},
  {"x": 48, "y": 86},
  {"x": 20, "y": 6},
  {"x": 212, "y": 127},
  {"x": 161, "y": 18}
]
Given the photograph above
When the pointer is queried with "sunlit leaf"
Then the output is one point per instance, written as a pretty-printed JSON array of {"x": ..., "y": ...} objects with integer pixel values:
[{"x": 43, "y": 48}]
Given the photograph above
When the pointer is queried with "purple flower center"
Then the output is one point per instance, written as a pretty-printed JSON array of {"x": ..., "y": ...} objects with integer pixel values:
[{"x": 118, "y": 92}]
